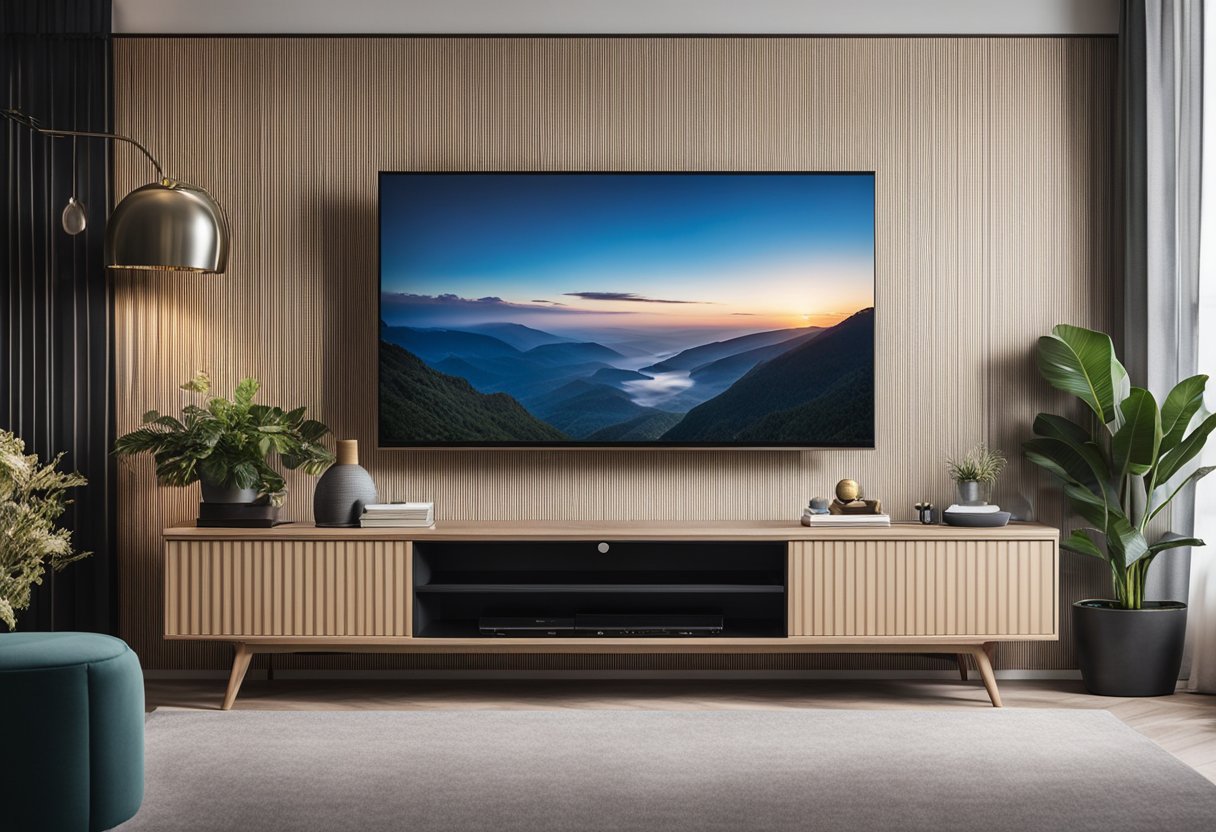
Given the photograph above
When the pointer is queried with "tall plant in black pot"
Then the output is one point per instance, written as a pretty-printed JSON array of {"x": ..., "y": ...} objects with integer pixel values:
[{"x": 1119, "y": 472}]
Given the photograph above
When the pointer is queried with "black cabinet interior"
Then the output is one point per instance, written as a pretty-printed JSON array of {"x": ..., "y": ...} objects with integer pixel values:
[{"x": 458, "y": 583}]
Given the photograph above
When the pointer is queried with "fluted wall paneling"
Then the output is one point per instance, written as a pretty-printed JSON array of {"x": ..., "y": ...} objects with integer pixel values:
[{"x": 993, "y": 161}]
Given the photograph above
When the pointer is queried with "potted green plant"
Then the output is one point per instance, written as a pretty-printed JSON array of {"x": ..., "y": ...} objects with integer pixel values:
[
  {"x": 975, "y": 472},
  {"x": 32, "y": 497},
  {"x": 226, "y": 444},
  {"x": 1119, "y": 472}
]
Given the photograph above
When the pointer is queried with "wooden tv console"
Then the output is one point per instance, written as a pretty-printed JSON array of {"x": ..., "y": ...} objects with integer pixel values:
[{"x": 781, "y": 587}]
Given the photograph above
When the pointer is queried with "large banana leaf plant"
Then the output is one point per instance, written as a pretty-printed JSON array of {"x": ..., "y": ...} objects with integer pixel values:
[{"x": 1123, "y": 469}]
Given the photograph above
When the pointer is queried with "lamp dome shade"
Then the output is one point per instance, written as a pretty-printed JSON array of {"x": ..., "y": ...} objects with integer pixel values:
[{"x": 168, "y": 226}]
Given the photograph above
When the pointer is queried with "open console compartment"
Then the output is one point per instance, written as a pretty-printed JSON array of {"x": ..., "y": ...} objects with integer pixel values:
[{"x": 456, "y": 584}]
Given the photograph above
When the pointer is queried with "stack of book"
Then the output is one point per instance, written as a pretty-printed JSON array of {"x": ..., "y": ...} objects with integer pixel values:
[
  {"x": 398, "y": 515},
  {"x": 809, "y": 518}
]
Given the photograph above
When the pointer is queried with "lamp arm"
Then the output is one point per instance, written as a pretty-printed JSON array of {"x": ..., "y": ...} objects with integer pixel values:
[{"x": 32, "y": 123}]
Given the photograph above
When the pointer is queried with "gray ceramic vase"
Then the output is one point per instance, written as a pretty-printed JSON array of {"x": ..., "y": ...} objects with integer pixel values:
[{"x": 343, "y": 490}]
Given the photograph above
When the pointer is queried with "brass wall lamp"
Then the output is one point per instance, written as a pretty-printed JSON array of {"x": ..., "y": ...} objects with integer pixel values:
[{"x": 166, "y": 225}]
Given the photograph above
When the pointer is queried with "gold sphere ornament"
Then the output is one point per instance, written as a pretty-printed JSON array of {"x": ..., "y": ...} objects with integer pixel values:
[{"x": 847, "y": 491}]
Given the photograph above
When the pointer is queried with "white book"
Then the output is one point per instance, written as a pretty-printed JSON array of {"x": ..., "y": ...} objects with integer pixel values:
[
  {"x": 987, "y": 508},
  {"x": 400, "y": 514},
  {"x": 392, "y": 521},
  {"x": 395, "y": 508},
  {"x": 846, "y": 519},
  {"x": 396, "y": 523}
]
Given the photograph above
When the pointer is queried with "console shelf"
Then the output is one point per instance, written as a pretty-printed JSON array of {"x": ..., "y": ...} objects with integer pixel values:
[
  {"x": 458, "y": 583},
  {"x": 458, "y": 631},
  {"x": 778, "y": 587},
  {"x": 621, "y": 577},
  {"x": 689, "y": 589}
]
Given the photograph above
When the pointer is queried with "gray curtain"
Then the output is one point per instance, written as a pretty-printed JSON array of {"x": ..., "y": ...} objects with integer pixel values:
[{"x": 1161, "y": 107}]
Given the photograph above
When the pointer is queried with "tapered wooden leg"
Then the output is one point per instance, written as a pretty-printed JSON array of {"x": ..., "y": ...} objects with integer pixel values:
[
  {"x": 961, "y": 658},
  {"x": 980, "y": 654},
  {"x": 240, "y": 664}
]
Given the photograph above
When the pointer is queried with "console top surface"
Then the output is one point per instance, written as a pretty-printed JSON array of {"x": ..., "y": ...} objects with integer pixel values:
[{"x": 754, "y": 530}]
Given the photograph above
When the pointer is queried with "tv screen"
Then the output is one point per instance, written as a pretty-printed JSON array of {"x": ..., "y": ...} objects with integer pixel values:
[{"x": 626, "y": 309}]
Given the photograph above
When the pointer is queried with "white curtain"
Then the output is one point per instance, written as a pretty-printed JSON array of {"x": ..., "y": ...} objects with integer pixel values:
[{"x": 1201, "y": 623}]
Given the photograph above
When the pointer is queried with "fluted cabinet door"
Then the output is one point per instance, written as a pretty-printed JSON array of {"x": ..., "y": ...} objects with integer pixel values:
[
  {"x": 884, "y": 588},
  {"x": 290, "y": 588}
]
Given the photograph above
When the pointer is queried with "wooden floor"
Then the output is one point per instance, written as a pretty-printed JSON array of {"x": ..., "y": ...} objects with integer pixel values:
[{"x": 1183, "y": 724}]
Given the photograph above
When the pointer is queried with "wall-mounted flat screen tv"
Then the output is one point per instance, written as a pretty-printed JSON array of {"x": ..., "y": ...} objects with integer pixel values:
[{"x": 731, "y": 310}]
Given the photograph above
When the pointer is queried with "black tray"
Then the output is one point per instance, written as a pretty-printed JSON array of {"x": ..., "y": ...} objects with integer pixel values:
[{"x": 237, "y": 516}]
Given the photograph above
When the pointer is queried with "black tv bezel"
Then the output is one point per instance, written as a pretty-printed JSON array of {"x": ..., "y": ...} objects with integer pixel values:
[{"x": 602, "y": 446}]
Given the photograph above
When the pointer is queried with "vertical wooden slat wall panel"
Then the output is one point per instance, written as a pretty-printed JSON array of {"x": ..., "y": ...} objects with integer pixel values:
[
  {"x": 256, "y": 588},
  {"x": 946, "y": 588},
  {"x": 994, "y": 221}
]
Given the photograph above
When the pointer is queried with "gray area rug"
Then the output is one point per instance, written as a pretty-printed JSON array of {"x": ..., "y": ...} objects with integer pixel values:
[{"x": 584, "y": 771}]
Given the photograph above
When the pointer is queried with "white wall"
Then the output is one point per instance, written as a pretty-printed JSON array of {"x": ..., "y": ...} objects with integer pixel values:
[{"x": 873, "y": 17}]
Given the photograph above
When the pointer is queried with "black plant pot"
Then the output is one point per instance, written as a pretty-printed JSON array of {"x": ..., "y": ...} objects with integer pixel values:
[
  {"x": 213, "y": 493},
  {"x": 1129, "y": 652}
]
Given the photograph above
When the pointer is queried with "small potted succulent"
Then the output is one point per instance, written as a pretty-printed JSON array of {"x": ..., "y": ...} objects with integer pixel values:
[
  {"x": 1119, "y": 469},
  {"x": 33, "y": 495},
  {"x": 226, "y": 444},
  {"x": 975, "y": 473}
]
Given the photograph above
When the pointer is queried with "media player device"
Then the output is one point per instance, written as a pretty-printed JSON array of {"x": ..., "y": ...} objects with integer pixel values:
[
  {"x": 604, "y": 626},
  {"x": 526, "y": 627},
  {"x": 616, "y": 626}
]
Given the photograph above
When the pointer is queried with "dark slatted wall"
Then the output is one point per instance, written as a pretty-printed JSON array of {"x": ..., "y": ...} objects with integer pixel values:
[{"x": 56, "y": 370}]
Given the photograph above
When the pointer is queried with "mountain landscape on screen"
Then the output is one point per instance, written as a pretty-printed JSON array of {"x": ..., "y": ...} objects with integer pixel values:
[{"x": 631, "y": 309}]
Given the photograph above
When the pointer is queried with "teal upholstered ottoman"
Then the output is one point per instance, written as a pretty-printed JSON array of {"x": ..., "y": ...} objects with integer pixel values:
[{"x": 71, "y": 732}]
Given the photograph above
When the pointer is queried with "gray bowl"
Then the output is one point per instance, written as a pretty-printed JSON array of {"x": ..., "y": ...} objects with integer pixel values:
[{"x": 987, "y": 520}]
